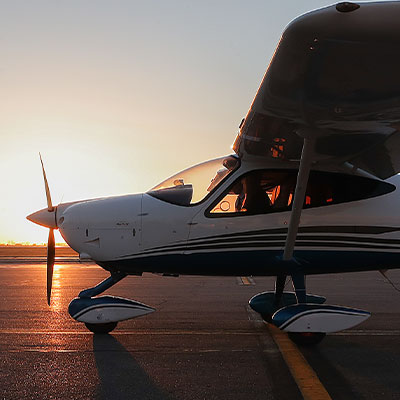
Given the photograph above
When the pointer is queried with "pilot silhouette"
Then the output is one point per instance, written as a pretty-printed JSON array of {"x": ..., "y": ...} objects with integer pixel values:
[{"x": 253, "y": 199}]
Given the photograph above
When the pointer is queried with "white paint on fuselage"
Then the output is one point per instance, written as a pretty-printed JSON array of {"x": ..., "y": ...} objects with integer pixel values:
[
  {"x": 128, "y": 226},
  {"x": 103, "y": 228}
]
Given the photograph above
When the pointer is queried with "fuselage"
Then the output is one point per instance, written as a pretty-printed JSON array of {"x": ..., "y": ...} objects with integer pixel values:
[{"x": 144, "y": 233}]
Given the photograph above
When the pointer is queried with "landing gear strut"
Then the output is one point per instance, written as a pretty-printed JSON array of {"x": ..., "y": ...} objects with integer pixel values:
[{"x": 102, "y": 286}]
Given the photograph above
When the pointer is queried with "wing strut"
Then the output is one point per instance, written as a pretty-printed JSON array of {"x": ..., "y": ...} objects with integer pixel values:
[{"x": 299, "y": 194}]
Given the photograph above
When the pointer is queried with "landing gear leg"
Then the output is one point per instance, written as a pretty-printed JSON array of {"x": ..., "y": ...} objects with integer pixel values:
[
  {"x": 103, "y": 285},
  {"x": 299, "y": 286},
  {"x": 268, "y": 302},
  {"x": 279, "y": 287}
]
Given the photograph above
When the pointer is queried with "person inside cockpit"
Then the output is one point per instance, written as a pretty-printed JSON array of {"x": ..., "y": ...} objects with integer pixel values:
[{"x": 253, "y": 199}]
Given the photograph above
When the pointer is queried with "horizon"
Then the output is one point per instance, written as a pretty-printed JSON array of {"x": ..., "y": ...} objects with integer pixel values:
[{"x": 12, "y": 243}]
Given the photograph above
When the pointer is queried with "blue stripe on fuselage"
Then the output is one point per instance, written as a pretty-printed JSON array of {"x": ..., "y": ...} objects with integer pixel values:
[{"x": 257, "y": 262}]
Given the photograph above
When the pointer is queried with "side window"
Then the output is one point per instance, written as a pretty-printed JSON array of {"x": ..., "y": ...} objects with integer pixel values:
[
  {"x": 258, "y": 192},
  {"x": 262, "y": 192}
]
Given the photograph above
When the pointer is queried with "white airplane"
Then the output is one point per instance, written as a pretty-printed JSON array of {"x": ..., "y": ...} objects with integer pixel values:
[{"x": 311, "y": 188}]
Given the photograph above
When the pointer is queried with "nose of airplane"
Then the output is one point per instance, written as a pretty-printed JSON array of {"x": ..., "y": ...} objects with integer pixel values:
[{"x": 44, "y": 218}]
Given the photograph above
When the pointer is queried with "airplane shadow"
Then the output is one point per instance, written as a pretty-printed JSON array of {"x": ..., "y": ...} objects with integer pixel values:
[
  {"x": 343, "y": 362},
  {"x": 121, "y": 376}
]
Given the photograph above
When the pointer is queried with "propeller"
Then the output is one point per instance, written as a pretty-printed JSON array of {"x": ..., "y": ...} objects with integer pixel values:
[
  {"x": 46, "y": 186},
  {"x": 51, "y": 254},
  {"x": 51, "y": 245}
]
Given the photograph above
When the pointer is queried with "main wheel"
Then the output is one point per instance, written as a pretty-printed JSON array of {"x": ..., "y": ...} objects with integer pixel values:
[
  {"x": 101, "y": 328},
  {"x": 267, "y": 317},
  {"x": 306, "y": 338}
]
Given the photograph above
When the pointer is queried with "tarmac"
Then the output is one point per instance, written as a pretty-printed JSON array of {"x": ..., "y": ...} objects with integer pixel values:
[{"x": 203, "y": 342}]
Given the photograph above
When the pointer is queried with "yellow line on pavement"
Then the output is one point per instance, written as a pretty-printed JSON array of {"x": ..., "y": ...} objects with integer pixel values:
[
  {"x": 307, "y": 380},
  {"x": 245, "y": 280}
]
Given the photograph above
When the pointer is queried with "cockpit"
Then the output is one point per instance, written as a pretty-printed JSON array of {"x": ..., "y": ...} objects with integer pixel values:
[
  {"x": 194, "y": 184},
  {"x": 262, "y": 191}
]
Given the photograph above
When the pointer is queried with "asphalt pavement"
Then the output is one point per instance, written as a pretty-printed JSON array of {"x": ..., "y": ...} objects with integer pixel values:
[{"x": 203, "y": 342}]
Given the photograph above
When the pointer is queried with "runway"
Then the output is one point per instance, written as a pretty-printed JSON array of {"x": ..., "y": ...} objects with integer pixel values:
[{"x": 203, "y": 342}]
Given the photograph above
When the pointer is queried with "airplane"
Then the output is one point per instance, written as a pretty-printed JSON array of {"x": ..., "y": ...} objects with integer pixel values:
[{"x": 311, "y": 188}]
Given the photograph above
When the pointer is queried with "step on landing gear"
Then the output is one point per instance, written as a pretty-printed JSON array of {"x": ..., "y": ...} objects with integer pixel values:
[{"x": 102, "y": 314}]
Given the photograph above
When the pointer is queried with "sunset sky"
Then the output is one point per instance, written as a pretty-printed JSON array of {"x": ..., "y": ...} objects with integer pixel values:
[{"x": 118, "y": 95}]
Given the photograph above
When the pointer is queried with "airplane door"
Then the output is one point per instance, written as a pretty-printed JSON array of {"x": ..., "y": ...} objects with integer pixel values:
[{"x": 250, "y": 215}]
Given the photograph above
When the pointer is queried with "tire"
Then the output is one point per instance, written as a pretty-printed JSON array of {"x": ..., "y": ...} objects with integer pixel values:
[
  {"x": 267, "y": 318},
  {"x": 101, "y": 328},
  {"x": 306, "y": 338}
]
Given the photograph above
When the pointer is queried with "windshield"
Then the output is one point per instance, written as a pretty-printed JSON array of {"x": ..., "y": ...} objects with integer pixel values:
[{"x": 193, "y": 184}]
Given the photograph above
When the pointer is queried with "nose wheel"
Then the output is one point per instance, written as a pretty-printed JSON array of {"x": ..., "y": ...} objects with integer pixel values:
[
  {"x": 101, "y": 328},
  {"x": 102, "y": 314}
]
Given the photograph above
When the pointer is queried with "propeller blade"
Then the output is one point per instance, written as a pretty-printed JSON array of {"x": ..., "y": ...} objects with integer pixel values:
[
  {"x": 46, "y": 185},
  {"x": 51, "y": 253}
]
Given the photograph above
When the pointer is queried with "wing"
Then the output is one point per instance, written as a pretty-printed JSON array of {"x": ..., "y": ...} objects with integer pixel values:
[{"x": 335, "y": 76}]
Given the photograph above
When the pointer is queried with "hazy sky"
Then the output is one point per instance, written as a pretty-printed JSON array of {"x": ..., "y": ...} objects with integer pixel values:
[{"x": 118, "y": 95}]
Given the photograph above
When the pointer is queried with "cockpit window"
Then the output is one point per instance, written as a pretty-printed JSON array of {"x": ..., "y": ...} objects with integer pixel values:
[
  {"x": 193, "y": 184},
  {"x": 269, "y": 191}
]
